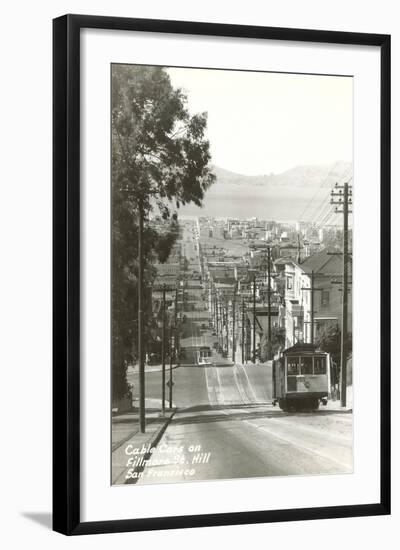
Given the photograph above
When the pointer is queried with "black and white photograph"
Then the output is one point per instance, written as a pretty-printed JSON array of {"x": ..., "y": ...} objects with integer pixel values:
[
  {"x": 231, "y": 274},
  {"x": 200, "y": 255}
]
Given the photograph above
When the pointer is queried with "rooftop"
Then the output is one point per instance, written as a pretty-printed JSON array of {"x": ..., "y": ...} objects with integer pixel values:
[{"x": 324, "y": 262}]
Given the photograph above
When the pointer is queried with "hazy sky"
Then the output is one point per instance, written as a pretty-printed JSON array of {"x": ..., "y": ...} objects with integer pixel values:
[{"x": 268, "y": 122}]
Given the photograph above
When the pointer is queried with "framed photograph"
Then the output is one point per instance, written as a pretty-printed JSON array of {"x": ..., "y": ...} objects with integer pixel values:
[{"x": 221, "y": 274}]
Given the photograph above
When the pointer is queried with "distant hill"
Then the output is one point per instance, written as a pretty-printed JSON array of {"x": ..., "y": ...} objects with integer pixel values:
[
  {"x": 298, "y": 177},
  {"x": 274, "y": 196}
]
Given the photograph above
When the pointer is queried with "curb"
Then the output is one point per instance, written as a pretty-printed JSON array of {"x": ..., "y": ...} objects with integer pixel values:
[
  {"x": 158, "y": 369},
  {"x": 152, "y": 442}
]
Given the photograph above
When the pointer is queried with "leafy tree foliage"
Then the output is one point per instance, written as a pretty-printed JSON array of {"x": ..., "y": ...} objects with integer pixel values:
[
  {"x": 277, "y": 342},
  {"x": 329, "y": 340},
  {"x": 159, "y": 150},
  {"x": 160, "y": 161}
]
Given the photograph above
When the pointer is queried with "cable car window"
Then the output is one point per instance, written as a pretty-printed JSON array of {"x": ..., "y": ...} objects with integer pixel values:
[
  {"x": 306, "y": 365},
  {"x": 293, "y": 365},
  {"x": 319, "y": 365}
]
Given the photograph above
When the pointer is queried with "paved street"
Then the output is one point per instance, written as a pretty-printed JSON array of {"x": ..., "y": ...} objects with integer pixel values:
[
  {"x": 227, "y": 411},
  {"x": 225, "y": 425},
  {"x": 253, "y": 441}
]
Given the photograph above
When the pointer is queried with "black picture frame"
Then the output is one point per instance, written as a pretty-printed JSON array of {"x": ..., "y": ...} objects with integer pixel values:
[{"x": 66, "y": 273}]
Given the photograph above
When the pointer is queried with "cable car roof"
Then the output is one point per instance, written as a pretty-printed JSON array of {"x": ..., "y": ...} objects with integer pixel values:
[{"x": 300, "y": 348}]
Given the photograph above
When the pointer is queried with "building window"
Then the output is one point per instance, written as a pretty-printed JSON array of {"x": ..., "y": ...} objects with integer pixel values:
[
  {"x": 325, "y": 298},
  {"x": 289, "y": 283}
]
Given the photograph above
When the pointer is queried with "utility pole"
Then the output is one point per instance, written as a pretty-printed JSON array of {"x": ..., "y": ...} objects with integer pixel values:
[
  {"x": 269, "y": 301},
  {"x": 254, "y": 318},
  {"x": 234, "y": 327},
  {"x": 242, "y": 331},
  {"x": 170, "y": 383},
  {"x": 142, "y": 409},
  {"x": 298, "y": 249},
  {"x": 176, "y": 310},
  {"x": 312, "y": 289},
  {"x": 312, "y": 307},
  {"x": 342, "y": 196},
  {"x": 215, "y": 310},
  {"x": 173, "y": 344},
  {"x": 212, "y": 306},
  {"x": 269, "y": 292},
  {"x": 163, "y": 353},
  {"x": 177, "y": 341},
  {"x": 217, "y": 316},
  {"x": 226, "y": 324},
  {"x": 343, "y": 354},
  {"x": 222, "y": 322}
]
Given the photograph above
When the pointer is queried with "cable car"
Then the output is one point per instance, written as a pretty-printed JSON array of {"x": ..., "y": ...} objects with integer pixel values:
[
  {"x": 204, "y": 355},
  {"x": 301, "y": 378}
]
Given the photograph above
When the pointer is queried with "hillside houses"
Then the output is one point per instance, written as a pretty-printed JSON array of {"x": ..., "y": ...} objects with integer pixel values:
[
  {"x": 300, "y": 261},
  {"x": 322, "y": 271}
]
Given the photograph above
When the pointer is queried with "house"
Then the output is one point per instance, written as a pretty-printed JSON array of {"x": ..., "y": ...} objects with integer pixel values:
[
  {"x": 168, "y": 269},
  {"x": 290, "y": 250},
  {"x": 317, "y": 279}
]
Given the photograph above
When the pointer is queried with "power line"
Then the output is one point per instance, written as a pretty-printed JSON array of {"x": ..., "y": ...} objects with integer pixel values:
[
  {"x": 317, "y": 191},
  {"x": 318, "y": 212},
  {"x": 322, "y": 213},
  {"x": 320, "y": 208},
  {"x": 323, "y": 216},
  {"x": 329, "y": 216}
]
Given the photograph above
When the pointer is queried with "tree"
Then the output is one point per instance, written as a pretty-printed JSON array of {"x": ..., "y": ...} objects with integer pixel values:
[
  {"x": 160, "y": 161},
  {"x": 160, "y": 155},
  {"x": 124, "y": 285},
  {"x": 329, "y": 340},
  {"x": 277, "y": 342}
]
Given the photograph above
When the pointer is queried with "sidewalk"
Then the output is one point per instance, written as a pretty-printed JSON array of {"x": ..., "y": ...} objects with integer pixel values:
[
  {"x": 336, "y": 405},
  {"x": 134, "y": 369},
  {"x": 125, "y": 432}
]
